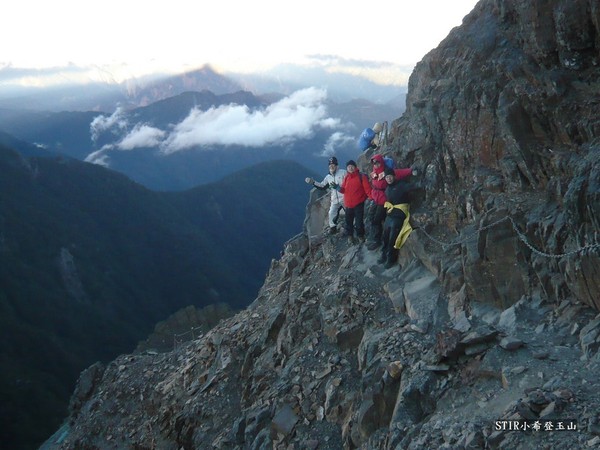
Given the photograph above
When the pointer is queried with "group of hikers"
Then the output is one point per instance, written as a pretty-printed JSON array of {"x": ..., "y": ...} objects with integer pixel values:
[{"x": 386, "y": 191}]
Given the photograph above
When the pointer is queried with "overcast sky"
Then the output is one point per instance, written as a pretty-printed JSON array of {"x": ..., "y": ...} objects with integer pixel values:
[{"x": 124, "y": 38}]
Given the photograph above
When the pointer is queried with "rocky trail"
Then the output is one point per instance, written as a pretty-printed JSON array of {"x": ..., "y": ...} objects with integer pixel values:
[{"x": 338, "y": 353}]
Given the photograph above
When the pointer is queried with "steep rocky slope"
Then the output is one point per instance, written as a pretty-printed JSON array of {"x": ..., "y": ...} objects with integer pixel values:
[
  {"x": 337, "y": 353},
  {"x": 503, "y": 120},
  {"x": 491, "y": 314},
  {"x": 90, "y": 261}
]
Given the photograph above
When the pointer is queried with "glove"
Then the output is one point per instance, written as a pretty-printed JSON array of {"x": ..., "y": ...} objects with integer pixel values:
[
  {"x": 332, "y": 185},
  {"x": 309, "y": 180}
]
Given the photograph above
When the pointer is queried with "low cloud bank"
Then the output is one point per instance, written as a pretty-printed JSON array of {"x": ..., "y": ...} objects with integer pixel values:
[
  {"x": 336, "y": 141},
  {"x": 142, "y": 136},
  {"x": 297, "y": 116},
  {"x": 100, "y": 124},
  {"x": 294, "y": 117}
]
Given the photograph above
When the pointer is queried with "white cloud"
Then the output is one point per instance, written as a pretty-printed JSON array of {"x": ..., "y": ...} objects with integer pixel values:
[
  {"x": 141, "y": 136},
  {"x": 297, "y": 116},
  {"x": 329, "y": 122},
  {"x": 335, "y": 141},
  {"x": 104, "y": 123},
  {"x": 98, "y": 157},
  {"x": 294, "y": 117}
]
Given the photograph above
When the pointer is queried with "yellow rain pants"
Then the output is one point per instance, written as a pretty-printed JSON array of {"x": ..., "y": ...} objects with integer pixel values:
[{"x": 406, "y": 228}]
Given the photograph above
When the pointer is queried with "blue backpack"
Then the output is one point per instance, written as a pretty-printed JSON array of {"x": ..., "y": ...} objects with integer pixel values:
[
  {"x": 389, "y": 162},
  {"x": 365, "y": 139}
]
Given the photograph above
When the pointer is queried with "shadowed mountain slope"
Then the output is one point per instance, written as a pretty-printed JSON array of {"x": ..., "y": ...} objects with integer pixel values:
[{"x": 90, "y": 261}]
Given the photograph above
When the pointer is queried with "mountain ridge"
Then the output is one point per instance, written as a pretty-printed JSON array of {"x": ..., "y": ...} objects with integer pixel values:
[
  {"x": 142, "y": 91},
  {"x": 98, "y": 137},
  {"x": 91, "y": 261},
  {"x": 485, "y": 321}
]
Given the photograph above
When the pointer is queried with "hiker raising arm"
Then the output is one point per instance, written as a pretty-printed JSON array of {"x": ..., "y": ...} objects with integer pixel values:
[{"x": 332, "y": 181}]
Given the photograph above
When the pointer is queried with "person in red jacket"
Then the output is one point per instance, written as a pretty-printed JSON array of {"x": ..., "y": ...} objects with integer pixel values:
[
  {"x": 356, "y": 190},
  {"x": 377, "y": 213}
]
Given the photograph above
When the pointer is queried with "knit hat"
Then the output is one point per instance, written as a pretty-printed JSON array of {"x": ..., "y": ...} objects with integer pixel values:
[
  {"x": 350, "y": 163},
  {"x": 389, "y": 171},
  {"x": 333, "y": 160}
]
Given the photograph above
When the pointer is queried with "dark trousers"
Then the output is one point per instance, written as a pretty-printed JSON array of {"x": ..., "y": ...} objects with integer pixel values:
[
  {"x": 376, "y": 216},
  {"x": 355, "y": 220},
  {"x": 391, "y": 230}
]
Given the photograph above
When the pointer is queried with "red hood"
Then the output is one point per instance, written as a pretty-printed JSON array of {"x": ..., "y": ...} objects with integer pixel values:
[{"x": 380, "y": 160}]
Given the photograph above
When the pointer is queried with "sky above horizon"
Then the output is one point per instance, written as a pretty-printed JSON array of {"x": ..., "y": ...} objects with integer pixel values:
[{"x": 115, "y": 40}]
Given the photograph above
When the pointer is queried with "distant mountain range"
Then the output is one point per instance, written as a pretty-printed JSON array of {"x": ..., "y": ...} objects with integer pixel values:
[
  {"x": 136, "y": 92},
  {"x": 93, "y": 257},
  {"x": 143, "y": 93},
  {"x": 72, "y": 133},
  {"x": 90, "y": 261}
]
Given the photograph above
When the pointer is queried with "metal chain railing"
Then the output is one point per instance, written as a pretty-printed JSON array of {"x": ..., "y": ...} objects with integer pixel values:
[
  {"x": 465, "y": 239},
  {"x": 523, "y": 238},
  {"x": 521, "y": 235}
]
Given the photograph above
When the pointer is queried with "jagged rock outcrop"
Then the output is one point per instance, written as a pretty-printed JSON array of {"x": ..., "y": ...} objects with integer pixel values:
[
  {"x": 331, "y": 355},
  {"x": 185, "y": 325},
  {"x": 338, "y": 353},
  {"x": 502, "y": 119}
]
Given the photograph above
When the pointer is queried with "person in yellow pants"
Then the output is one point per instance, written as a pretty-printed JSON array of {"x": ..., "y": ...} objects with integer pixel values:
[{"x": 396, "y": 227}]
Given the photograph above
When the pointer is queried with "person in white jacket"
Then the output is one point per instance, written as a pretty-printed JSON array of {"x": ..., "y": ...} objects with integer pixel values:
[{"x": 332, "y": 181}]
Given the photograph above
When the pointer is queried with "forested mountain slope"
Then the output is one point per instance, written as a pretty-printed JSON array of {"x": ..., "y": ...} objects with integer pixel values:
[{"x": 91, "y": 261}]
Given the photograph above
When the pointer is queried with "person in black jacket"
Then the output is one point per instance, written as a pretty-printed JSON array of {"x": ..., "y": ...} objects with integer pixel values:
[{"x": 398, "y": 198}]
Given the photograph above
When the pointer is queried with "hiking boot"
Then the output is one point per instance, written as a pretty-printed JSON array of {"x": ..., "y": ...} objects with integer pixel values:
[
  {"x": 389, "y": 264},
  {"x": 382, "y": 259},
  {"x": 361, "y": 239},
  {"x": 373, "y": 245},
  {"x": 351, "y": 240},
  {"x": 332, "y": 230}
]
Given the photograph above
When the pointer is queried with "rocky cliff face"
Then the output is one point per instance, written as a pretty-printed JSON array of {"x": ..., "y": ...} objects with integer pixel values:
[
  {"x": 490, "y": 315},
  {"x": 503, "y": 120}
]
